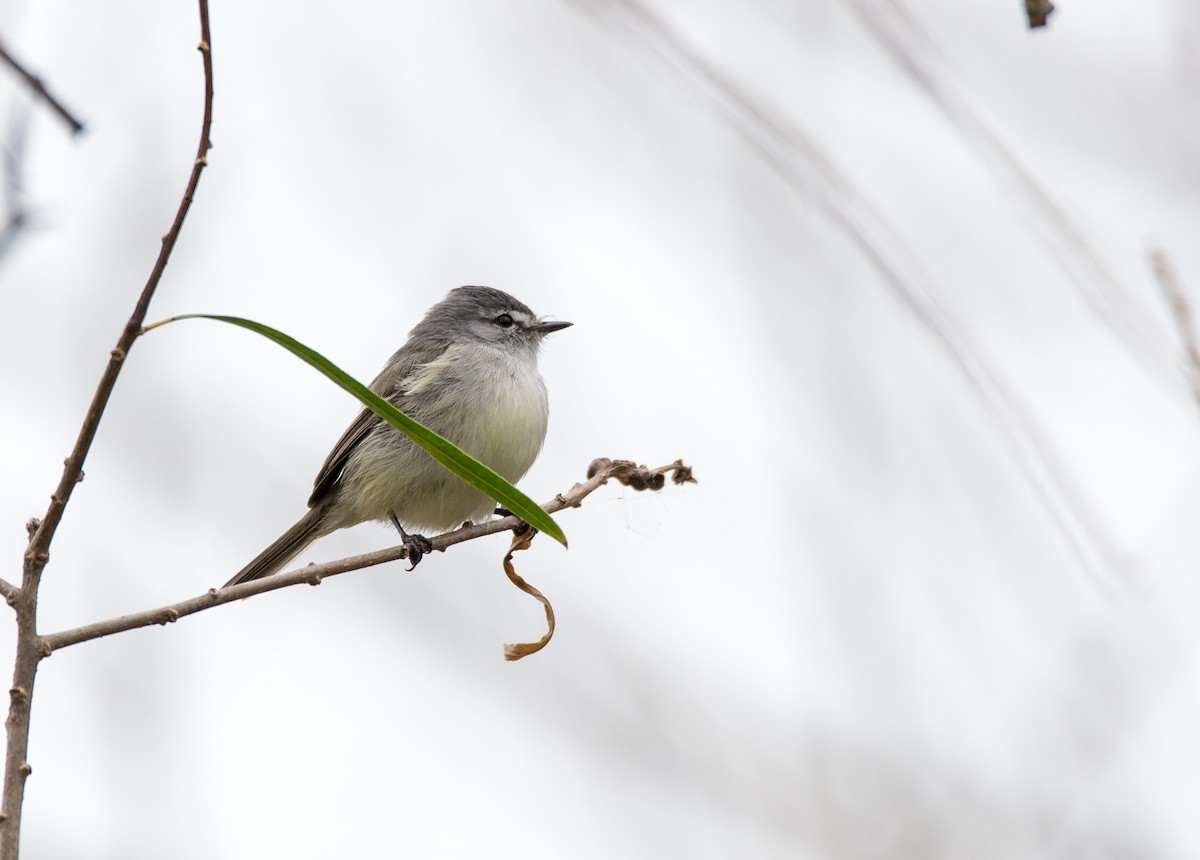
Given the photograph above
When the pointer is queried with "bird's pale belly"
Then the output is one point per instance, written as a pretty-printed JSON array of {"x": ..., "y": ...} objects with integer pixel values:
[{"x": 504, "y": 429}]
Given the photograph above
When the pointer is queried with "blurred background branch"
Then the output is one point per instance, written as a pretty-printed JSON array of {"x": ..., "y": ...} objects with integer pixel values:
[
  {"x": 919, "y": 56},
  {"x": 1181, "y": 313},
  {"x": 813, "y": 174},
  {"x": 15, "y": 210},
  {"x": 39, "y": 89},
  {"x": 1038, "y": 12}
]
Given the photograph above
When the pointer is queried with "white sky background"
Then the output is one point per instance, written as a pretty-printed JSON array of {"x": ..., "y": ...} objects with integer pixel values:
[{"x": 907, "y": 612}]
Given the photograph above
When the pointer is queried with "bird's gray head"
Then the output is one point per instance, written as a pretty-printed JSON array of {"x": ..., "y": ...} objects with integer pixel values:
[{"x": 483, "y": 315}]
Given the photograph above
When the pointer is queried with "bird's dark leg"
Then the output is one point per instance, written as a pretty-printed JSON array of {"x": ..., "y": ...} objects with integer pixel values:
[
  {"x": 519, "y": 528},
  {"x": 417, "y": 545}
]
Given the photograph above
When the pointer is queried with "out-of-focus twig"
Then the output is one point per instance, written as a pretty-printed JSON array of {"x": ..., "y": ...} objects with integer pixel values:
[
  {"x": 899, "y": 31},
  {"x": 1037, "y": 11},
  {"x": 17, "y": 215},
  {"x": 811, "y": 172},
  {"x": 1181, "y": 312},
  {"x": 39, "y": 89}
]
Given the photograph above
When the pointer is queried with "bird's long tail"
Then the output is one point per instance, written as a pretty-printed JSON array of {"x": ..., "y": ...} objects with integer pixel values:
[{"x": 287, "y": 547}]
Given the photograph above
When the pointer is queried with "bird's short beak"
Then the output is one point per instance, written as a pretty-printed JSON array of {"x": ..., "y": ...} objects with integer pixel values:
[{"x": 550, "y": 325}]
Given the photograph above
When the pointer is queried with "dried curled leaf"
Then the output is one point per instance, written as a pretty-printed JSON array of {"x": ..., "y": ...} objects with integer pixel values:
[
  {"x": 601, "y": 469},
  {"x": 631, "y": 474},
  {"x": 521, "y": 540},
  {"x": 681, "y": 474}
]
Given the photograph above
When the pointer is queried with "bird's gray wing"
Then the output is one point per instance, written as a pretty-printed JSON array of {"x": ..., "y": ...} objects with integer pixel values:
[
  {"x": 331, "y": 473},
  {"x": 390, "y": 384}
]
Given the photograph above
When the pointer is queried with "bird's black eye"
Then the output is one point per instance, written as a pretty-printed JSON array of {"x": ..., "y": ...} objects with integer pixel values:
[{"x": 504, "y": 321}]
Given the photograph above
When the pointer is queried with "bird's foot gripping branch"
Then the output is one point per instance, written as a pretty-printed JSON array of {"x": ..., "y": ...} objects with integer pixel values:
[{"x": 600, "y": 472}]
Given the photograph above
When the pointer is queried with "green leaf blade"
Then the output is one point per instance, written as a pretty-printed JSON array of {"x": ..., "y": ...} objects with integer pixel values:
[{"x": 441, "y": 449}]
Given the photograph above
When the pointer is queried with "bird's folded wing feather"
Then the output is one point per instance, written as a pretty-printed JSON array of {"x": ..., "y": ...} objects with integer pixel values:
[
  {"x": 408, "y": 372},
  {"x": 327, "y": 479}
]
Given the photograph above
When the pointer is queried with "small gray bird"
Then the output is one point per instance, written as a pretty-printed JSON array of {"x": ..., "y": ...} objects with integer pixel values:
[{"x": 469, "y": 372}]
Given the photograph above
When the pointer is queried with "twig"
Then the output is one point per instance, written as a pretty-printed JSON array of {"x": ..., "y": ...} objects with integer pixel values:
[
  {"x": 1181, "y": 312},
  {"x": 918, "y": 55},
  {"x": 39, "y": 89},
  {"x": 1037, "y": 11},
  {"x": 599, "y": 473},
  {"x": 73, "y": 471},
  {"x": 14, "y": 204},
  {"x": 30, "y": 646},
  {"x": 813, "y": 174}
]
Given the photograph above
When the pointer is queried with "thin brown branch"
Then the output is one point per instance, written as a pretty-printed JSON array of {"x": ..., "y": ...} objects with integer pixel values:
[
  {"x": 73, "y": 467},
  {"x": 30, "y": 646},
  {"x": 599, "y": 473},
  {"x": 8, "y": 591},
  {"x": 1181, "y": 312},
  {"x": 39, "y": 89}
]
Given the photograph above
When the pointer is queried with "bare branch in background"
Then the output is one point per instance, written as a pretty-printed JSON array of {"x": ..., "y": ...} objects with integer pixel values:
[
  {"x": 30, "y": 646},
  {"x": 16, "y": 214},
  {"x": 1038, "y": 11},
  {"x": 599, "y": 473},
  {"x": 812, "y": 174},
  {"x": 39, "y": 89},
  {"x": 1181, "y": 312},
  {"x": 921, "y": 58}
]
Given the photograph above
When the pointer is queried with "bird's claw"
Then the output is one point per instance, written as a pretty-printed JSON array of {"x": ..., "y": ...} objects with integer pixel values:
[{"x": 417, "y": 546}]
